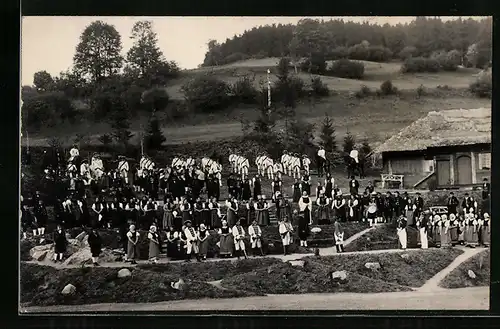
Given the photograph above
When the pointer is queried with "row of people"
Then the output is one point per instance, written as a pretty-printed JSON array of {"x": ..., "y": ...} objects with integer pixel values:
[{"x": 447, "y": 230}]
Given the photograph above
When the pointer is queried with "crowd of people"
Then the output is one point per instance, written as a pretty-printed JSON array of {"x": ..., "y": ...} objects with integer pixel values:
[{"x": 191, "y": 208}]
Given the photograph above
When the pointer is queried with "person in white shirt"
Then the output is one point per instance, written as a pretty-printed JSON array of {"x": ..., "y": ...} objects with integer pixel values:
[
  {"x": 191, "y": 241},
  {"x": 255, "y": 233},
  {"x": 286, "y": 232},
  {"x": 239, "y": 239}
]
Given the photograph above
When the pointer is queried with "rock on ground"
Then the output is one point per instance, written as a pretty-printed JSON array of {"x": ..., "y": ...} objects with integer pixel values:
[
  {"x": 372, "y": 266},
  {"x": 124, "y": 272},
  {"x": 339, "y": 275},
  {"x": 405, "y": 256},
  {"x": 39, "y": 253},
  {"x": 84, "y": 255},
  {"x": 471, "y": 274},
  {"x": 299, "y": 263},
  {"x": 69, "y": 289}
]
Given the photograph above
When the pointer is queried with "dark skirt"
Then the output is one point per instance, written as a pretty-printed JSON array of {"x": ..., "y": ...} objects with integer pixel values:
[
  {"x": 172, "y": 249},
  {"x": 436, "y": 235},
  {"x": 231, "y": 218},
  {"x": 303, "y": 229},
  {"x": 296, "y": 195},
  {"x": 185, "y": 216},
  {"x": 485, "y": 235},
  {"x": 203, "y": 247},
  {"x": 95, "y": 251},
  {"x": 263, "y": 217},
  {"x": 226, "y": 245},
  {"x": 178, "y": 223},
  {"x": 215, "y": 220},
  {"x": 168, "y": 219},
  {"x": 132, "y": 251},
  {"x": 454, "y": 234}
]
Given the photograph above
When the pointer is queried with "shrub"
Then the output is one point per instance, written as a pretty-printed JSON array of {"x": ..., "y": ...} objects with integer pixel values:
[
  {"x": 206, "y": 93},
  {"x": 363, "y": 92},
  {"x": 344, "y": 68},
  {"x": 448, "y": 61},
  {"x": 359, "y": 52},
  {"x": 379, "y": 54},
  {"x": 482, "y": 86},
  {"x": 420, "y": 64},
  {"x": 288, "y": 90},
  {"x": 407, "y": 52},
  {"x": 421, "y": 91},
  {"x": 260, "y": 55},
  {"x": 316, "y": 64},
  {"x": 319, "y": 87},
  {"x": 235, "y": 57},
  {"x": 338, "y": 53},
  {"x": 387, "y": 88},
  {"x": 244, "y": 91}
]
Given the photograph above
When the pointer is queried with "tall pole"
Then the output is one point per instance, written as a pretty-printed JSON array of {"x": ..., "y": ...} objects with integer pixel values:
[{"x": 268, "y": 89}]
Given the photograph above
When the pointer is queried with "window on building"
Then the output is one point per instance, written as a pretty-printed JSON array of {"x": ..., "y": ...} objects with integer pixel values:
[{"x": 485, "y": 160}]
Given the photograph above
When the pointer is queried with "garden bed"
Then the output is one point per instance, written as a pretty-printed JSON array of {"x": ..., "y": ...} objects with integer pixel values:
[
  {"x": 42, "y": 286},
  {"x": 396, "y": 273},
  {"x": 459, "y": 277}
]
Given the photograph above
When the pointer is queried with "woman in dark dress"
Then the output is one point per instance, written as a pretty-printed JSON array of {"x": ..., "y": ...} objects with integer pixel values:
[
  {"x": 215, "y": 215},
  {"x": 305, "y": 206},
  {"x": 246, "y": 192},
  {"x": 303, "y": 230},
  {"x": 177, "y": 213},
  {"x": 172, "y": 243},
  {"x": 168, "y": 217},
  {"x": 27, "y": 221},
  {"x": 60, "y": 244},
  {"x": 205, "y": 214},
  {"x": 226, "y": 243},
  {"x": 203, "y": 236},
  {"x": 185, "y": 208},
  {"x": 250, "y": 208},
  {"x": 41, "y": 217},
  {"x": 95, "y": 244},
  {"x": 197, "y": 213},
  {"x": 296, "y": 191},
  {"x": 257, "y": 187}
]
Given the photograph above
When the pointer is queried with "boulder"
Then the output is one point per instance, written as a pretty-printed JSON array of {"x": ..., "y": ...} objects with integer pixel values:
[
  {"x": 339, "y": 275},
  {"x": 316, "y": 230},
  {"x": 81, "y": 236},
  {"x": 471, "y": 274},
  {"x": 405, "y": 256},
  {"x": 69, "y": 289},
  {"x": 124, "y": 272},
  {"x": 83, "y": 256},
  {"x": 299, "y": 263},
  {"x": 39, "y": 253},
  {"x": 373, "y": 266}
]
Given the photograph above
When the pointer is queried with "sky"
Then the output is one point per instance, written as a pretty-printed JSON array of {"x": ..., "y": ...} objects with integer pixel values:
[{"x": 48, "y": 42}]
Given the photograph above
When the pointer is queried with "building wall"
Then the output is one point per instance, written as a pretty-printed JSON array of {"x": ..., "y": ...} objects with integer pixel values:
[{"x": 415, "y": 166}]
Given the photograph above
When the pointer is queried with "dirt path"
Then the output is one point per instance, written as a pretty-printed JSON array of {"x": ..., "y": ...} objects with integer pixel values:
[
  {"x": 476, "y": 298},
  {"x": 432, "y": 284}
]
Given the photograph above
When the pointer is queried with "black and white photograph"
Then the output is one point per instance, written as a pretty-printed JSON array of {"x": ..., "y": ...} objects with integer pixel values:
[{"x": 254, "y": 163}]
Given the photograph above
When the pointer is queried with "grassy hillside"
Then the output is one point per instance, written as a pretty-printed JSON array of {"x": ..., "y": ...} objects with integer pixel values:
[{"x": 374, "y": 117}]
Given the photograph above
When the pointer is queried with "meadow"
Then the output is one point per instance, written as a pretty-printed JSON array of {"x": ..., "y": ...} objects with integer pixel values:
[{"x": 372, "y": 117}]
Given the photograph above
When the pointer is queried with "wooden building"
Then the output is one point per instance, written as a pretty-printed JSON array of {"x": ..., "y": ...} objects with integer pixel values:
[{"x": 450, "y": 148}]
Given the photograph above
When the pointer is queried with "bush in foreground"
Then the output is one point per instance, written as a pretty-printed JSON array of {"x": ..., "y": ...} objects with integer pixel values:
[
  {"x": 420, "y": 64},
  {"x": 387, "y": 88},
  {"x": 482, "y": 87},
  {"x": 344, "y": 68},
  {"x": 459, "y": 277}
]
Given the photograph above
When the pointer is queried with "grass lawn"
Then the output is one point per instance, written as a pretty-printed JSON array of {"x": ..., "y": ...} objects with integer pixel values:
[
  {"x": 459, "y": 277},
  {"x": 396, "y": 273}
]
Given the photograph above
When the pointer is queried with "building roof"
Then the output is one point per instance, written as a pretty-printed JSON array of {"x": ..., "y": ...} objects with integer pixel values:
[{"x": 442, "y": 128}]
